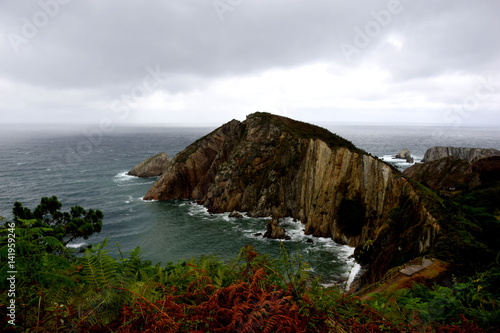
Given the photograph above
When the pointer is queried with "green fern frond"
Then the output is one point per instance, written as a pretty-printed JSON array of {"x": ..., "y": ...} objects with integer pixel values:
[
  {"x": 100, "y": 269},
  {"x": 53, "y": 243}
]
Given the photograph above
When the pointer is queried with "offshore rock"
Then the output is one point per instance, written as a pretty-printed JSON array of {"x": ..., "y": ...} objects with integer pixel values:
[
  {"x": 274, "y": 230},
  {"x": 469, "y": 154},
  {"x": 235, "y": 214},
  {"x": 448, "y": 173},
  {"x": 152, "y": 167},
  {"x": 269, "y": 165},
  {"x": 406, "y": 155},
  {"x": 403, "y": 153}
]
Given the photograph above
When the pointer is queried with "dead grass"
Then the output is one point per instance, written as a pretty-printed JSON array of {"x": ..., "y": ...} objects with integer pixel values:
[{"x": 401, "y": 281}]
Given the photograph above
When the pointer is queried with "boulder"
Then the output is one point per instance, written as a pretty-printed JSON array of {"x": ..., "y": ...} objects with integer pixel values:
[
  {"x": 274, "y": 230},
  {"x": 235, "y": 214}
]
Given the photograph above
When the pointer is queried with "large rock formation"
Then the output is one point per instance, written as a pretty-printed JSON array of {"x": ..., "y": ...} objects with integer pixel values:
[
  {"x": 456, "y": 168},
  {"x": 469, "y": 154},
  {"x": 152, "y": 167},
  {"x": 448, "y": 173},
  {"x": 274, "y": 166}
]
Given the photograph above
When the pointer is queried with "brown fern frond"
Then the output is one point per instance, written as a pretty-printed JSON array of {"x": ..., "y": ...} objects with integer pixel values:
[
  {"x": 235, "y": 290},
  {"x": 199, "y": 284},
  {"x": 258, "y": 275}
]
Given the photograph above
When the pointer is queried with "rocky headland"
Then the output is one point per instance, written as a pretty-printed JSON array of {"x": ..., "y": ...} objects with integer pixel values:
[
  {"x": 152, "y": 167},
  {"x": 469, "y": 154},
  {"x": 455, "y": 168},
  {"x": 274, "y": 166}
]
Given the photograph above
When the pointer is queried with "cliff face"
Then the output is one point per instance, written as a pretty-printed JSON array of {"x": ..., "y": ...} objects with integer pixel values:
[
  {"x": 469, "y": 154},
  {"x": 445, "y": 173},
  {"x": 270, "y": 165}
]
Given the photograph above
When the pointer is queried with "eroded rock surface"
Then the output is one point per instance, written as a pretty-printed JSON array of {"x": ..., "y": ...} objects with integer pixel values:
[{"x": 269, "y": 165}]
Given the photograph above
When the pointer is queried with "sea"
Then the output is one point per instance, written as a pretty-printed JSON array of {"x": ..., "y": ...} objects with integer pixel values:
[{"x": 87, "y": 166}]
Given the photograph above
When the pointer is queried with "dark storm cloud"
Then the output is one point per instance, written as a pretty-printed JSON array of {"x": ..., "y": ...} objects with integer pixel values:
[
  {"x": 102, "y": 49},
  {"x": 104, "y": 42}
]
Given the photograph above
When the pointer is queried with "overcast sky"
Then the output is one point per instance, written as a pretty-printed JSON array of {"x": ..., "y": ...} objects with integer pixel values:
[{"x": 209, "y": 61}]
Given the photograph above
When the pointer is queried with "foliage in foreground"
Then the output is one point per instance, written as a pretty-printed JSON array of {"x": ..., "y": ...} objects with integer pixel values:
[{"x": 59, "y": 291}]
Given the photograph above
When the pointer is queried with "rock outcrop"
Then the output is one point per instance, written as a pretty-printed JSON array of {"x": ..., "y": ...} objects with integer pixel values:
[
  {"x": 405, "y": 155},
  {"x": 448, "y": 173},
  {"x": 274, "y": 230},
  {"x": 469, "y": 154},
  {"x": 269, "y": 165},
  {"x": 235, "y": 214},
  {"x": 453, "y": 168},
  {"x": 152, "y": 167}
]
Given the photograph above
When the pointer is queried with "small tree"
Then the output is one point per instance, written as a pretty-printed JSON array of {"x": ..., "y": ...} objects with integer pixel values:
[
  {"x": 64, "y": 226},
  {"x": 33, "y": 252}
]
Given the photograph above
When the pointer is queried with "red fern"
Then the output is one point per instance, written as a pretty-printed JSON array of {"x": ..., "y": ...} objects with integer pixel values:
[
  {"x": 253, "y": 304},
  {"x": 241, "y": 307}
]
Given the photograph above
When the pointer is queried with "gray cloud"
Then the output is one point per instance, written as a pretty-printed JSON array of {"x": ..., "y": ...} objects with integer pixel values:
[{"x": 93, "y": 52}]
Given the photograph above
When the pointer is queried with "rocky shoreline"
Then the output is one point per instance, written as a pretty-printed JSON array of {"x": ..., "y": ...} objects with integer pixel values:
[{"x": 272, "y": 166}]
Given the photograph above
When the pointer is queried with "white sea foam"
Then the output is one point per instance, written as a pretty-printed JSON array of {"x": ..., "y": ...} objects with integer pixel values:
[
  {"x": 76, "y": 245},
  {"x": 122, "y": 177},
  {"x": 253, "y": 229},
  {"x": 196, "y": 209},
  {"x": 353, "y": 273},
  {"x": 142, "y": 199},
  {"x": 400, "y": 163}
]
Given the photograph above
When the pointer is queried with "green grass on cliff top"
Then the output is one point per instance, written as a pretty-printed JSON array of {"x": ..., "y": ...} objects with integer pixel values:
[
  {"x": 302, "y": 130},
  {"x": 298, "y": 130}
]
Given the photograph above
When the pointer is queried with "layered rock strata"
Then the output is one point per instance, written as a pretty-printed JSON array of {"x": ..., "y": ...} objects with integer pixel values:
[
  {"x": 469, "y": 154},
  {"x": 274, "y": 166}
]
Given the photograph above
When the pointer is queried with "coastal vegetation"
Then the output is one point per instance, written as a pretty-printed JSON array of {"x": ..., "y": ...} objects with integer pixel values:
[
  {"x": 58, "y": 289},
  {"x": 430, "y": 255}
]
